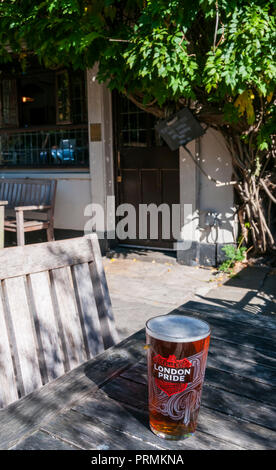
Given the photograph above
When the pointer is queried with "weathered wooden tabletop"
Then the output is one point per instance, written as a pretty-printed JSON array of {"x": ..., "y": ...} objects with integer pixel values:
[{"x": 103, "y": 403}]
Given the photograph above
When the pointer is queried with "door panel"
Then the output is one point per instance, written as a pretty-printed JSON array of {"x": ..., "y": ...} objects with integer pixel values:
[{"x": 148, "y": 172}]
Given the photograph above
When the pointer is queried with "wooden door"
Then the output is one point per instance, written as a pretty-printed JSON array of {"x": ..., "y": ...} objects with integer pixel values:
[{"x": 147, "y": 172}]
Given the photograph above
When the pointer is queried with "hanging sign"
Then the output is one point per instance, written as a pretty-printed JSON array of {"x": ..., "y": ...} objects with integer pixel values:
[{"x": 179, "y": 129}]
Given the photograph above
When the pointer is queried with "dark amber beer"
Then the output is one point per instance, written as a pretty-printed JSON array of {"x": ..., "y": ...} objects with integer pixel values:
[{"x": 177, "y": 355}]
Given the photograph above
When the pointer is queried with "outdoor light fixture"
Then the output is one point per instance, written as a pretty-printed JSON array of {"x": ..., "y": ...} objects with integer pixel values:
[
  {"x": 27, "y": 99},
  {"x": 179, "y": 129}
]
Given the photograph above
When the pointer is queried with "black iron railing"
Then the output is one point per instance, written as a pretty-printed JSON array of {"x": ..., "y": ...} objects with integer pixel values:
[{"x": 44, "y": 147}]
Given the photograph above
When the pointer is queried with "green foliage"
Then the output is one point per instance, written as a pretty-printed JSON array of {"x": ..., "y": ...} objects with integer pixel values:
[
  {"x": 233, "y": 255},
  {"x": 166, "y": 51}
]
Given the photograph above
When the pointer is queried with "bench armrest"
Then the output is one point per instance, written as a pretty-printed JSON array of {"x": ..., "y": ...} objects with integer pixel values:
[{"x": 32, "y": 208}]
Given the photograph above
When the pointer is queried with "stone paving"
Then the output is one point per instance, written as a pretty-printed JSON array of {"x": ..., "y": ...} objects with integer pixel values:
[{"x": 142, "y": 289}]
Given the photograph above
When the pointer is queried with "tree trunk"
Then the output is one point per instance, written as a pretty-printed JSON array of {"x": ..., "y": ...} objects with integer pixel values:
[{"x": 255, "y": 192}]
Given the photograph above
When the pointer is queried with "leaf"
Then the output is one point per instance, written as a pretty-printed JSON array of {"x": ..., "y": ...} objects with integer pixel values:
[
  {"x": 245, "y": 105},
  {"x": 269, "y": 97}
]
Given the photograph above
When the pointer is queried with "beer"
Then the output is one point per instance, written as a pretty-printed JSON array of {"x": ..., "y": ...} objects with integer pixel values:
[{"x": 177, "y": 355}]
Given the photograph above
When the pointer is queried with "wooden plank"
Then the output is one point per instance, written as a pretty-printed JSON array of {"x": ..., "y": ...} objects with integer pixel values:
[
  {"x": 239, "y": 333},
  {"x": 244, "y": 327},
  {"x": 260, "y": 321},
  {"x": 8, "y": 388},
  {"x": 2, "y": 226},
  {"x": 102, "y": 410},
  {"x": 228, "y": 381},
  {"x": 109, "y": 333},
  {"x": 9, "y": 189},
  {"x": 233, "y": 429},
  {"x": 20, "y": 228},
  {"x": 236, "y": 431},
  {"x": 238, "y": 406},
  {"x": 17, "y": 194},
  {"x": 37, "y": 196},
  {"x": 23, "y": 193},
  {"x": 40, "y": 440},
  {"x": 243, "y": 361},
  {"x": 246, "y": 387},
  {"x": 27, "y": 225},
  {"x": 32, "y": 207},
  {"x": 82, "y": 432},
  {"x": 230, "y": 403},
  {"x": 27, "y": 197},
  {"x": 87, "y": 309},
  {"x": 68, "y": 316},
  {"x": 221, "y": 359},
  {"x": 227, "y": 350},
  {"x": 28, "y": 414},
  {"x": 17, "y": 261},
  {"x": 242, "y": 368},
  {"x": 23, "y": 336},
  {"x": 51, "y": 355}
]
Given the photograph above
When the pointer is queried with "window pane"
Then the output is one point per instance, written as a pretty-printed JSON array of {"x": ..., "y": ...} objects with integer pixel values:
[
  {"x": 9, "y": 116},
  {"x": 63, "y": 97},
  {"x": 62, "y": 147},
  {"x": 78, "y": 98},
  {"x": 137, "y": 126},
  {"x": 37, "y": 99}
]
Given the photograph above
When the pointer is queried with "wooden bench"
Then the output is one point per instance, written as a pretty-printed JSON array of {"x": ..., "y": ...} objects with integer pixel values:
[
  {"x": 30, "y": 206},
  {"x": 55, "y": 312}
]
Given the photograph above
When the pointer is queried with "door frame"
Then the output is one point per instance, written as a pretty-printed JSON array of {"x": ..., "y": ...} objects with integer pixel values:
[{"x": 118, "y": 175}]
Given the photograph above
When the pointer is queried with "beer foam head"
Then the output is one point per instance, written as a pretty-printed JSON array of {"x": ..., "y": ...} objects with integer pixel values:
[{"x": 177, "y": 328}]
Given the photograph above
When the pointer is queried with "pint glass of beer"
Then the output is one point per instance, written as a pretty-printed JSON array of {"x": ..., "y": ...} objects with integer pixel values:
[{"x": 177, "y": 355}]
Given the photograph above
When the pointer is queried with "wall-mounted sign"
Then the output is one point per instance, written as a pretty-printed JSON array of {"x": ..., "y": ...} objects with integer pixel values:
[
  {"x": 95, "y": 132},
  {"x": 179, "y": 129}
]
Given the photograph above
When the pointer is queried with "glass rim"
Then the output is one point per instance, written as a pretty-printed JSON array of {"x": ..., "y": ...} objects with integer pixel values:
[{"x": 173, "y": 339}]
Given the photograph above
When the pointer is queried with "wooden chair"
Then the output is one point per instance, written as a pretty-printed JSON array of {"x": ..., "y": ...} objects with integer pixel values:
[
  {"x": 55, "y": 312},
  {"x": 31, "y": 204}
]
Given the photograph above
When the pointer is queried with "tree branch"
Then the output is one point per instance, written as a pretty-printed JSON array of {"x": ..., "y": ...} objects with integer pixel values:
[{"x": 273, "y": 199}]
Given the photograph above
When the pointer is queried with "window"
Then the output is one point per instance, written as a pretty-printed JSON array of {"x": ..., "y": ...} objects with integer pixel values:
[
  {"x": 37, "y": 99},
  {"x": 43, "y": 119},
  {"x": 137, "y": 127}
]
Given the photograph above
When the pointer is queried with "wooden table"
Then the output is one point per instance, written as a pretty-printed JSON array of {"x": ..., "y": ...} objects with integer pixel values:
[
  {"x": 2, "y": 216},
  {"x": 103, "y": 403}
]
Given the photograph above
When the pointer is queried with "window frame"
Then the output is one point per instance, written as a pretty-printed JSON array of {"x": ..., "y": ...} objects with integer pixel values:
[{"x": 65, "y": 127}]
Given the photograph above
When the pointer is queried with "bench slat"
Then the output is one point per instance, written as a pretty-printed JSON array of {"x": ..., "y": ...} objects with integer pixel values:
[
  {"x": 88, "y": 309},
  {"x": 8, "y": 389},
  {"x": 109, "y": 332},
  {"x": 69, "y": 316},
  {"x": 17, "y": 261},
  {"x": 23, "y": 337},
  {"x": 51, "y": 355}
]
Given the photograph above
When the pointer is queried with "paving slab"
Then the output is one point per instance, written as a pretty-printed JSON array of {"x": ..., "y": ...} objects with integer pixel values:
[
  {"x": 141, "y": 289},
  {"x": 252, "y": 290}
]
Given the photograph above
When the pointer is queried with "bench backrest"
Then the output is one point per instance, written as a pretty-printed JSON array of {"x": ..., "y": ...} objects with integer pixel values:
[
  {"x": 27, "y": 191},
  {"x": 55, "y": 312}
]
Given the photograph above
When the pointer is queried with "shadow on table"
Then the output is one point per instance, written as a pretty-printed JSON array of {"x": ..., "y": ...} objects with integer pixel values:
[{"x": 125, "y": 396}]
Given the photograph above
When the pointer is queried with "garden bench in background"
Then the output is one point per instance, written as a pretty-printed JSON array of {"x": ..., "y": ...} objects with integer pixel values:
[{"x": 30, "y": 207}]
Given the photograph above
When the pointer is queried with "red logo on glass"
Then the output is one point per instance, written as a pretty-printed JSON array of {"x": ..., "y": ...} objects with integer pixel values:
[{"x": 172, "y": 375}]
